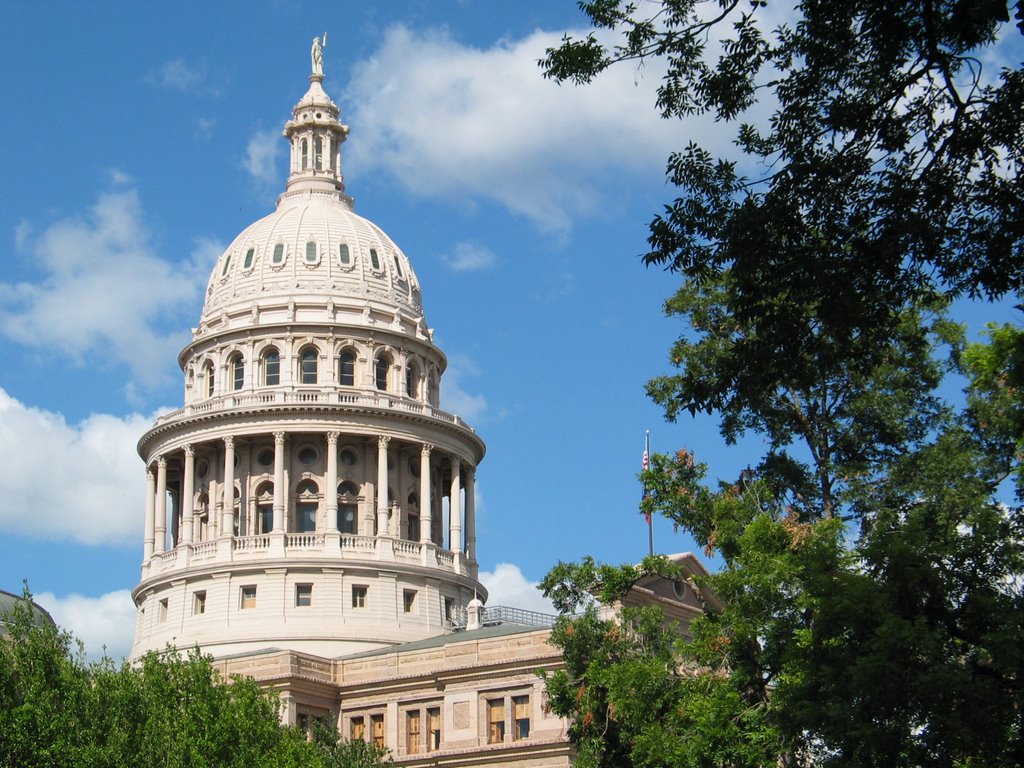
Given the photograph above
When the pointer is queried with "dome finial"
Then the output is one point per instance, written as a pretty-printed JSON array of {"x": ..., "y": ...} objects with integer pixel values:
[{"x": 316, "y": 55}]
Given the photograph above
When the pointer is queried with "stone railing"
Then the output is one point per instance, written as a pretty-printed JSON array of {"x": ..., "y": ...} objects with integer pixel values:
[
  {"x": 329, "y": 547},
  {"x": 360, "y": 398}
]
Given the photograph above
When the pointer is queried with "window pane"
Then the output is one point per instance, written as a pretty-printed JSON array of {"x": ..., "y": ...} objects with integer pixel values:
[
  {"x": 307, "y": 518},
  {"x": 308, "y": 367},
  {"x": 248, "y": 258},
  {"x": 343, "y": 255},
  {"x": 357, "y": 729},
  {"x": 318, "y": 152},
  {"x": 433, "y": 729},
  {"x": 311, "y": 251},
  {"x": 272, "y": 368},
  {"x": 412, "y": 733},
  {"x": 521, "y": 714},
  {"x": 248, "y": 597},
  {"x": 264, "y": 518},
  {"x": 347, "y": 369},
  {"x": 303, "y": 595},
  {"x": 227, "y": 263},
  {"x": 495, "y": 721},
  {"x": 347, "y": 518},
  {"x": 278, "y": 254},
  {"x": 239, "y": 372},
  {"x": 374, "y": 260},
  {"x": 382, "y": 367}
]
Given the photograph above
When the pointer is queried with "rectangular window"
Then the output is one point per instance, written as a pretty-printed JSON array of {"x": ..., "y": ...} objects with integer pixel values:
[
  {"x": 377, "y": 729},
  {"x": 248, "y": 258},
  {"x": 357, "y": 729},
  {"x": 307, "y": 518},
  {"x": 238, "y": 373},
  {"x": 247, "y": 597},
  {"x": 347, "y": 518},
  {"x": 409, "y": 600},
  {"x": 358, "y": 597},
  {"x": 414, "y": 527},
  {"x": 495, "y": 721},
  {"x": 264, "y": 518},
  {"x": 272, "y": 369},
  {"x": 433, "y": 729},
  {"x": 449, "y": 609},
  {"x": 374, "y": 260},
  {"x": 162, "y": 615},
  {"x": 278, "y": 257},
  {"x": 199, "y": 603},
  {"x": 303, "y": 595},
  {"x": 521, "y": 715},
  {"x": 412, "y": 733}
]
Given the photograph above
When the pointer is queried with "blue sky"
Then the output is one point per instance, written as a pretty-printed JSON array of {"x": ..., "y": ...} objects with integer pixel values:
[{"x": 137, "y": 140}]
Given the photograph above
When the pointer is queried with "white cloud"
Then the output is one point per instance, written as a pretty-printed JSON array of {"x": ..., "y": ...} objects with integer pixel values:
[
  {"x": 471, "y": 124},
  {"x": 470, "y": 257},
  {"x": 82, "y": 482},
  {"x": 506, "y": 585},
  {"x": 105, "y": 294},
  {"x": 181, "y": 75},
  {"x": 106, "y": 621},
  {"x": 454, "y": 398},
  {"x": 261, "y": 156}
]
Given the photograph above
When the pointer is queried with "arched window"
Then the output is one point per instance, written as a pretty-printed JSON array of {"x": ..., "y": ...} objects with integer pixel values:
[
  {"x": 208, "y": 375},
  {"x": 201, "y": 519},
  {"x": 311, "y": 253},
  {"x": 305, "y": 154},
  {"x": 344, "y": 256},
  {"x": 433, "y": 389},
  {"x": 248, "y": 258},
  {"x": 308, "y": 366},
  {"x": 381, "y": 370},
  {"x": 306, "y": 506},
  {"x": 334, "y": 152},
  {"x": 348, "y": 497},
  {"x": 271, "y": 367},
  {"x": 318, "y": 153},
  {"x": 265, "y": 508},
  {"x": 237, "y": 372},
  {"x": 347, "y": 368},
  {"x": 412, "y": 380}
]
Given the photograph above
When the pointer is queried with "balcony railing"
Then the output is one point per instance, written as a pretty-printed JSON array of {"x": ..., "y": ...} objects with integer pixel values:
[
  {"x": 319, "y": 545},
  {"x": 363, "y": 398}
]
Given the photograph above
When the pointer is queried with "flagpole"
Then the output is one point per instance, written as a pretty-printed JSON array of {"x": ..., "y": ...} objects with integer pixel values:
[{"x": 650, "y": 522}]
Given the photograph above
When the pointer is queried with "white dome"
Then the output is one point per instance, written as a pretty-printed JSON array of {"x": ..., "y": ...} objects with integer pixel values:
[{"x": 316, "y": 247}]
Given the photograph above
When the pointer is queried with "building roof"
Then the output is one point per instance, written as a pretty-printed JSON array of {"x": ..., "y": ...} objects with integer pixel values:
[{"x": 8, "y": 600}]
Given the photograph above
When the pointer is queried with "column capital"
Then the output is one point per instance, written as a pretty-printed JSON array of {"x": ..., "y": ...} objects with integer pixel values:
[
  {"x": 279, "y": 438},
  {"x": 161, "y": 461},
  {"x": 229, "y": 441},
  {"x": 149, "y": 474},
  {"x": 383, "y": 440},
  {"x": 425, "y": 449},
  {"x": 332, "y": 438},
  {"x": 190, "y": 450}
]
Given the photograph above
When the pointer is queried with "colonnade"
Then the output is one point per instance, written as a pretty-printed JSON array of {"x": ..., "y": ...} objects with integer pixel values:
[{"x": 182, "y": 463}]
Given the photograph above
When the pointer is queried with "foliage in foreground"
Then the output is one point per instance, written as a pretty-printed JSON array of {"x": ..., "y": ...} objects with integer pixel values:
[
  {"x": 166, "y": 710},
  {"x": 872, "y": 558}
]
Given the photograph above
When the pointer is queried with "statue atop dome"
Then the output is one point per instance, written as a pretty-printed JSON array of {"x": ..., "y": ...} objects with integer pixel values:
[{"x": 316, "y": 55}]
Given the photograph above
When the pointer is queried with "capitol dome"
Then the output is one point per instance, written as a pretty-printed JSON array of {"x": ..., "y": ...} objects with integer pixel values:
[{"x": 310, "y": 494}]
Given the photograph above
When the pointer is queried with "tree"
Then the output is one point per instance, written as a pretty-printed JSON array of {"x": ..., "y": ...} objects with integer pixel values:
[
  {"x": 169, "y": 709},
  {"x": 872, "y": 562}
]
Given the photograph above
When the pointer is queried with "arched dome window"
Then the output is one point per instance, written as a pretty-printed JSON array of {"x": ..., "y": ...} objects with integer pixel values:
[
  {"x": 412, "y": 379},
  {"x": 344, "y": 255},
  {"x": 381, "y": 369},
  {"x": 348, "y": 498},
  {"x": 209, "y": 377},
  {"x": 308, "y": 366},
  {"x": 347, "y": 368},
  {"x": 271, "y": 367},
  {"x": 237, "y": 372}
]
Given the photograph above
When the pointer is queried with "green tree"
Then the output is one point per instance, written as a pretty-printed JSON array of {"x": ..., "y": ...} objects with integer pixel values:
[
  {"x": 872, "y": 557},
  {"x": 168, "y": 709}
]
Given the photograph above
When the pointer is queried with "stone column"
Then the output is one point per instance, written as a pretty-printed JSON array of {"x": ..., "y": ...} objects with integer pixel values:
[
  {"x": 278, "y": 482},
  {"x": 227, "y": 520},
  {"x": 455, "y": 508},
  {"x": 187, "y": 494},
  {"x": 331, "y": 492},
  {"x": 160, "y": 528},
  {"x": 150, "y": 523},
  {"x": 382, "y": 485},
  {"x": 426, "y": 519},
  {"x": 470, "y": 514}
]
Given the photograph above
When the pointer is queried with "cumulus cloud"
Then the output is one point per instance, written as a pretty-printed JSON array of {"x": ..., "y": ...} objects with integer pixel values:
[
  {"x": 105, "y": 294},
  {"x": 472, "y": 124},
  {"x": 506, "y": 585},
  {"x": 261, "y": 156},
  {"x": 105, "y": 622},
  {"x": 470, "y": 257},
  {"x": 97, "y": 493},
  {"x": 454, "y": 398}
]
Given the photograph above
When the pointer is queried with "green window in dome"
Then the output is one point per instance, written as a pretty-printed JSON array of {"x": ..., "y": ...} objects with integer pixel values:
[
  {"x": 343, "y": 255},
  {"x": 248, "y": 258},
  {"x": 311, "y": 252},
  {"x": 227, "y": 263},
  {"x": 374, "y": 260},
  {"x": 278, "y": 257}
]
